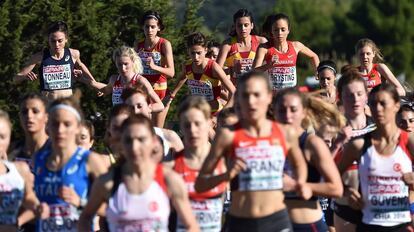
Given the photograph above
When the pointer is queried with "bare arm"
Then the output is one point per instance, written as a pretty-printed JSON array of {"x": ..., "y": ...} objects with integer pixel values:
[
  {"x": 156, "y": 103},
  {"x": 389, "y": 76},
  {"x": 300, "y": 48},
  {"x": 259, "y": 59},
  {"x": 350, "y": 153},
  {"x": 180, "y": 83},
  {"x": 26, "y": 72},
  {"x": 206, "y": 179},
  {"x": 96, "y": 167},
  {"x": 30, "y": 202},
  {"x": 169, "y": 60},
  {"x": 295, "y": 155},
  {"x": 106, "y": 89},
  {"x": 321, "y": 158},
  {"x": 175, "y": 141},
  {"x": 219, "y": 73},
  {"x": 100, "y": 191},
  {"x": 180, "y": 200},
  {"x": 85, "y": 71},
  {"x": 224, "y": 51}
]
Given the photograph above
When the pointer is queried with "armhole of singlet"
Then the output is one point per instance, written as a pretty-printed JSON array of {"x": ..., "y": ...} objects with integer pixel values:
[
  {"x": 291, "y": 47},
  {"x": 254, "y": 43},
  {"x": 367, "y": 143},
  {"x": 403, "y": 143},
  {"x": 161, "y": 43},
  {"x": 280, "y": 134},
  {"x": 116, "y": 178},
  {"x": 177, "y": 160},
  {"x": 160, "y": 178}
]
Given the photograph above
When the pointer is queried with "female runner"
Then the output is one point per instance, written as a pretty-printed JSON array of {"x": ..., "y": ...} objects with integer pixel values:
[
  {"x": 195, "y": 123},
  {"x": 33, "y": 118},
  {"x": 203, "y": 76},
  {"x": 16, "y": 185},
  {"x": 64, "y": 171},
  {"x": 327, "y": 78},
  {"x": 374, "y": 73},
  {"x": 257, "y": 149},
  {"x": 280, "y": 54},
  {"x": 56, "y": 65},
  {"x": 385, "y": 163},
  {"x": 213, "y": 49},
  {"x": 237, "y": 52},
  {"x": 353, "y": 96},
  {"x": 138, "y": 190},
  {"x": 405, "y": 117},
  {"x": 157, "y": 57},
  {"x": 293, "y": 108},
  {"x": 130, "y": 68},
  {"x": 86, "y": 135}
]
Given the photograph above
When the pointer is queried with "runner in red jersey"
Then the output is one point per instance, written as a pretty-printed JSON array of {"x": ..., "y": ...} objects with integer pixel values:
[
  {"x": 203, "y": 76},
  {"x": 374, "y": 73},
  {"x": 237, "y": 52},
  {"x": 157, "y": 57},
  {"x": 195, "y": 123},
  {"x": 279, "y": 54},
  {"x": 129, "y": 68},
  {"x": 256, "y": 149}
]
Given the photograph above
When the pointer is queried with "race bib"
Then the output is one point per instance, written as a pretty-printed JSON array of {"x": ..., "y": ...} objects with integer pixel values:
[
  {"x": 116, "y": 95},
  {"x": 57, "y": 77},
  {"x": 241, "y": 66},
  {"x": 208, "y": 213},
  {"x": 63, "y": 218},
  {"x": 388, "y": 199},
  {"x": 264, "y": 166},
  {"x": 145, "y": 225},
  {"x": 156, "y": 57},
  {"x": 201, "y": 88},
  {"x": 283, "y": 77}
]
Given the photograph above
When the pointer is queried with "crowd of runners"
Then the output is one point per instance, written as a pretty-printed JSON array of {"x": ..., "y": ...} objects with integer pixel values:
[{"x": 255, "y": 152}]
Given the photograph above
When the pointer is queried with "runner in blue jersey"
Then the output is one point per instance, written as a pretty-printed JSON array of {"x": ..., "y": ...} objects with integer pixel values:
[
  {"x": 64, "y": 171},
  {"x": 56, "y": 65}
]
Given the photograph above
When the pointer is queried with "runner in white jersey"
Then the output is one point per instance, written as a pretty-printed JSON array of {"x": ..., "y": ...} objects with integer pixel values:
[
  {"x": 138, "y": 189},
  {"x": 385, "y": 169},
  {"x": 16, "y": 185}
]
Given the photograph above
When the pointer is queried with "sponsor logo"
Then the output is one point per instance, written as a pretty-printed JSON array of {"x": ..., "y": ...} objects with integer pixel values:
[{"x": 72, "y": 170}]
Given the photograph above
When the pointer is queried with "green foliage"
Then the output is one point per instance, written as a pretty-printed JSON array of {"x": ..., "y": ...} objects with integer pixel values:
[{"x": 96, "y": 28}]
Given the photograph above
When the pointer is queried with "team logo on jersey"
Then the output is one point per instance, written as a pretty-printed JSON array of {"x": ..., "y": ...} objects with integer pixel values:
[
  {"x": 156, "y": 56},
  {"x": 72, "y": 170},
  {"x": 397, "y": 167},
  {"x": 67, "y": 58},
  {"x": 275, "y": 58},
  {"x": 153, "y": 206}
]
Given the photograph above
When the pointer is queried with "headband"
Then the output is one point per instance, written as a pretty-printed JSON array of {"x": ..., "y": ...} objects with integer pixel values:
[
  {"x": 67, "y": 108},
  {"x": 407, "y": 103},
  {"x": 326, "y": 66},
  {"x": 151, "y": 16}
]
